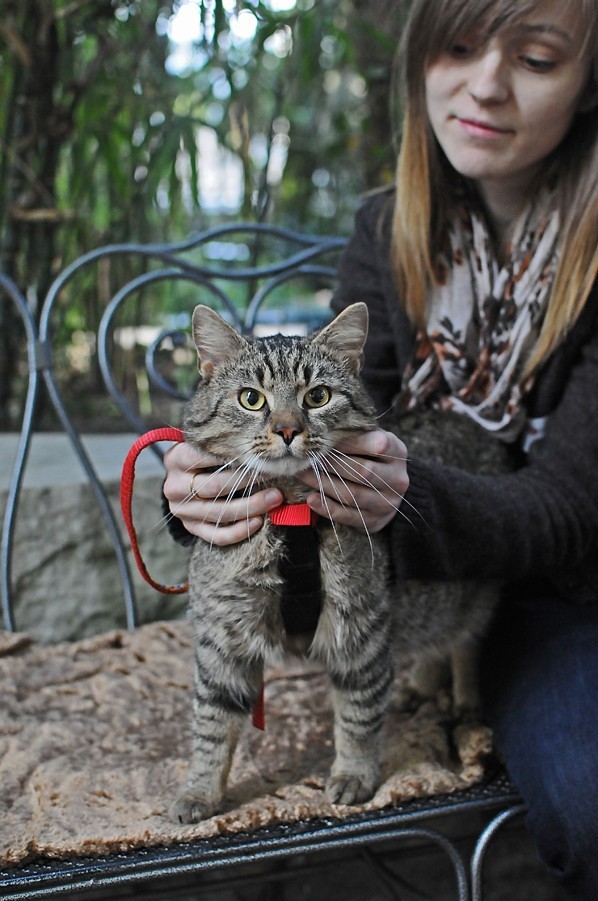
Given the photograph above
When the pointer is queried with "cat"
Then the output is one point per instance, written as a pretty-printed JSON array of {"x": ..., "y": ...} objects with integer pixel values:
[
  {"x": 440, "y": 623},
  {"x": 274, "y": 407}
]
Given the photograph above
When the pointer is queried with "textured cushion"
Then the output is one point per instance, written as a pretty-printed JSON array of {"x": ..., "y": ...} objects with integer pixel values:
[{"x": 94, "y": 739}]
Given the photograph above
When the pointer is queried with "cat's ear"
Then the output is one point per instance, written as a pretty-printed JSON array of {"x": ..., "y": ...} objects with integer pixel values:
[
  {"x": 216, "y": 341},
  {"x": 347, "y": 333}
]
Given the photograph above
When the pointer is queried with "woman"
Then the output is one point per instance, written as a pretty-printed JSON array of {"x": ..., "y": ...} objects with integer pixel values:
[{"x": 479, "y": 273}]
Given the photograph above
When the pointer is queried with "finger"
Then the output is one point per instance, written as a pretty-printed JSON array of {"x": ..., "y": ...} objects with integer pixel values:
[
  {"x": 184, "y": 457},
  {"x": 337, "y": 467},
  {"x": 183, "y": 485},
  {"x": 183, "y": 467},
  {"x": 366, "y": 490},
  {"x": 358, "y": 482},
  {"x": 221, "y": 536},
  {"x": 377, "y": 445},
  {"x": 364, "y": 503},
  {"x": 220, "y": 483},
  {"x": 221, "y": 526},
  {"x": 371, "y": 521},
  {"x": 222, "y": 512},
  {"x": 365, "y": 481}
]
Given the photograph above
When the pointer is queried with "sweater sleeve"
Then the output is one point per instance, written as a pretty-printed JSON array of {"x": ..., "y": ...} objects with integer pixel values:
[
  {"x": 540, "y": 522},
  {"x": 175, "y": 526}
]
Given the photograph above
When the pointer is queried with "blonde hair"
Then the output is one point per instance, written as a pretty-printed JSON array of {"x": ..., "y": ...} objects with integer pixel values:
[{"x": 425, "y": 180}]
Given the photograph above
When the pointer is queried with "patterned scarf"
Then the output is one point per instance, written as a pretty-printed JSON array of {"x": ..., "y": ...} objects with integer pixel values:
[{"x": 485, "y": 319}]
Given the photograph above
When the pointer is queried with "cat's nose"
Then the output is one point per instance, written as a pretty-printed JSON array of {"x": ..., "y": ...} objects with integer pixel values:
[{"x": 288, "y": 430}]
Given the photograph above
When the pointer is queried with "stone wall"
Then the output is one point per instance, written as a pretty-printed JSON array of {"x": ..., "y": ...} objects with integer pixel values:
[{"x": 65, "y": 576}]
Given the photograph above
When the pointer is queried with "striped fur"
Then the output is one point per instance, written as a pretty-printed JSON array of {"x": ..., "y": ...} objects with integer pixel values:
[{"x": 235, "y": 591}]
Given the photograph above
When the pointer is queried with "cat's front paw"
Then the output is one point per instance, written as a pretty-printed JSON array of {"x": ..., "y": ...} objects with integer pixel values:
[
  {"x": 350, "y": 788},
  {"x": 189, "y": 808}
]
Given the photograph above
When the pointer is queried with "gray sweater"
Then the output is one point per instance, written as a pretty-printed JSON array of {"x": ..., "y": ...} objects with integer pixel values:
[{"x": 538, "y": 525}]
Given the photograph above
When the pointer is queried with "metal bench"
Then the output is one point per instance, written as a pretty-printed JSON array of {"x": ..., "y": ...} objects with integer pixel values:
[{"x": 256, "y": 276}]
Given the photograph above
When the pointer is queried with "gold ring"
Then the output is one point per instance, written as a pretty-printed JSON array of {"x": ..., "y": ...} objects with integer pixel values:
[{"x": 192, "y": 491}]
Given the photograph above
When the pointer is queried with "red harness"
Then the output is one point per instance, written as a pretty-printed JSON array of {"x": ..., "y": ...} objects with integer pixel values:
[{"x": 285, "y": 515}]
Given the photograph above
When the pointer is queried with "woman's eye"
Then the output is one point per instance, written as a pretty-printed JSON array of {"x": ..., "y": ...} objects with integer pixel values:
[
  {"x": 461, "y": 49},
  {"x": 252, "y": 399},
  {"x": 538, "y": 65},
  {"x": 317, "y": 397}
]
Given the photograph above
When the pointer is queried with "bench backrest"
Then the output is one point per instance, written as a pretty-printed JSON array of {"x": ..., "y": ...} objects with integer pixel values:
[{"x": 259, "y": 277}]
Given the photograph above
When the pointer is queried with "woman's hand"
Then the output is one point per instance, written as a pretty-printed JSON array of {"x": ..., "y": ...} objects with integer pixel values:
[
  {"x": 366, "y": 481},
  {"x": 364, "y": 488},
  {"x": 198, "y": 497}
]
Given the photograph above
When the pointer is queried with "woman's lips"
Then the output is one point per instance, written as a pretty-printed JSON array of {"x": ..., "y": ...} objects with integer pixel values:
[{"x": 478, "y": 129}]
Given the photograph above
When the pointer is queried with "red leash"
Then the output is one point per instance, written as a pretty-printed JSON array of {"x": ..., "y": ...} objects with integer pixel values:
[
  {"x": 285, "y": 515},
  {"x": 126, "y": 500}
]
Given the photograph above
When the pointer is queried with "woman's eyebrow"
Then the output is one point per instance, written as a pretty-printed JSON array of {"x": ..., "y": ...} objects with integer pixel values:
[{"x": 547, "y": 28}]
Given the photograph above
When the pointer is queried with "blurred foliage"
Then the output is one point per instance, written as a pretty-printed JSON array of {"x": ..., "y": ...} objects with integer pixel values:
[{"x": 144, "y": 120}]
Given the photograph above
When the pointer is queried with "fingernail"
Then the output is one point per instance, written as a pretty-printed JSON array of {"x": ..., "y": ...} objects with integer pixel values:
[{"x": 274, "y": 497}]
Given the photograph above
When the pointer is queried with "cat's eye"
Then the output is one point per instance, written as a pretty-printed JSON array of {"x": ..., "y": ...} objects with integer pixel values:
[
  {"x": 252, "y": 399},
  {"x": 317, "y": 397}
]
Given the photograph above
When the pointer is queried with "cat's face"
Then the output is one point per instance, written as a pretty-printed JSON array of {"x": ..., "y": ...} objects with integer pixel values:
[{"x": 271, "y": 404}]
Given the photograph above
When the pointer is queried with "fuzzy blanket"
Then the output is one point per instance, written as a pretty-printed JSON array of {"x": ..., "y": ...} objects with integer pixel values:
[{"x": 94, "y": 737}]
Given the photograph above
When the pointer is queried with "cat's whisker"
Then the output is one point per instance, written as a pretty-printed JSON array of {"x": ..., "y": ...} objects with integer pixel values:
[
  {"x": 236, "y": 480},
  {"x": 248, "y": 492},
  {"x": 172, "y": 514},
  {"x": 238, "y": 476},
  {"x": 380, "y": 456},
  {"x": 168, "y": 517},
  {"x": 347, "y": 462},
  {"x": 323, "y": 465},
  {"x": 316, "y": 465},
  {"x": 350, "y": 466},
  {"x": 355, "y": 504},
  {"x": 385, "y": 413},
  {"x": 258, "y": 466},
  {"x": 217, "y": 471},
  {"x": 243, "y": 467},
  {"x": 254, "y": 466}
]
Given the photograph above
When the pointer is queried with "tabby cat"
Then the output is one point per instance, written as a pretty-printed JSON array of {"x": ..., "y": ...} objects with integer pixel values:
[{"x": 273, "y": 407}]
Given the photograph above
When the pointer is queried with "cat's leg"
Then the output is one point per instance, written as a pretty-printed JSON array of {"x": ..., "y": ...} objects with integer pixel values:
[
  {"x": 427, "y": 675},
  {"x": 464, "y": 666},
  {"x": 361, "y": 696},
  {"x": 355, "y": 641},
  {"x": 481, "y": 600},
  {"x": 220, "y": 707}
]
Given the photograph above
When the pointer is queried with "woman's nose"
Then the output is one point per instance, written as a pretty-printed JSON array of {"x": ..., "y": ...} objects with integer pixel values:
[{"x": 488, "y": 80}]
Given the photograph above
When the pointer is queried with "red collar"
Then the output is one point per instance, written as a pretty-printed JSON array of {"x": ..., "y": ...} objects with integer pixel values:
[{"x": 293, "y": 515}]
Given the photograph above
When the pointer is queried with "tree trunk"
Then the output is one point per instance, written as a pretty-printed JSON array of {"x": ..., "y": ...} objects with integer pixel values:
[
  {"x": 374, "y": 29},
  {"x": 31, "y": 141}
]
